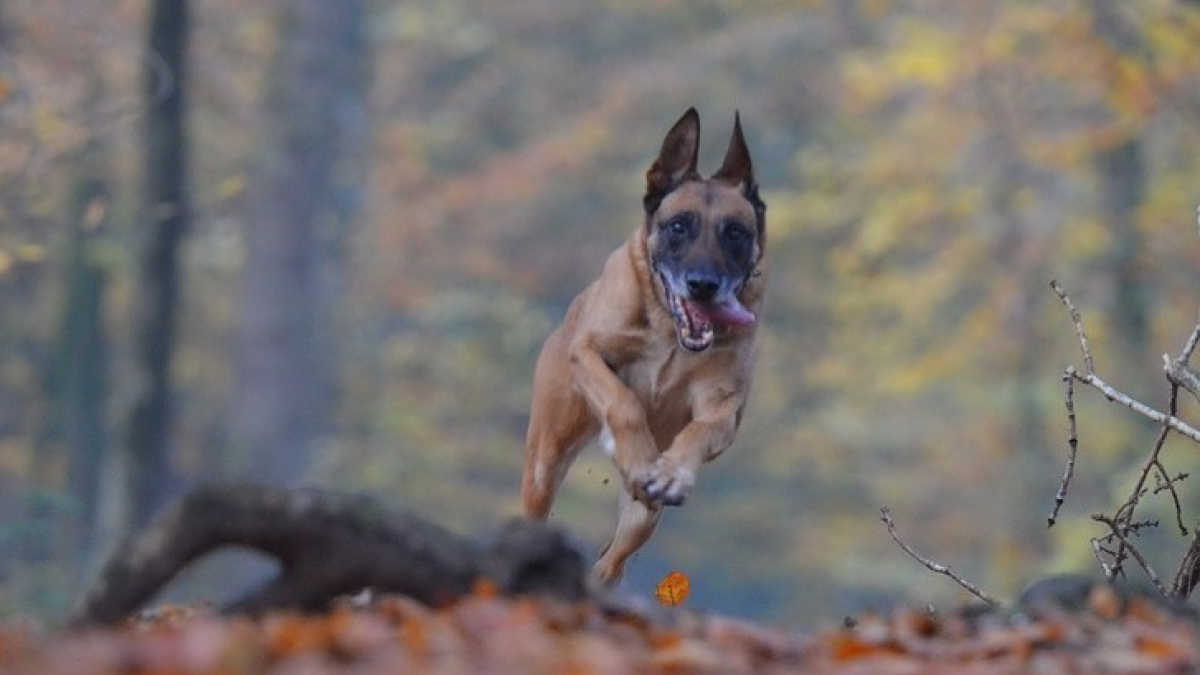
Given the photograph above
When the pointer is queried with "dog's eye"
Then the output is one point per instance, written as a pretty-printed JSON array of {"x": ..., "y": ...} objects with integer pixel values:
[
  {"x": 736, "y": 233},
  {"x": 677, "y": 227}
]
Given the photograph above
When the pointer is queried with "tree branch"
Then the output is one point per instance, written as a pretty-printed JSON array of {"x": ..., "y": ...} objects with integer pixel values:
[
  {"x": 1116, "y": 396},
  {"x": 1122, "y": 524},
  {"x": 1088, "y": 362},
  {"x": 1073, "y": 443},
  {"x": 886, "y": 517},
  {"x": 1181, "y": 375},
  {"x": 1177, "y": 370},
  {"x": 1120, "y": 532}
]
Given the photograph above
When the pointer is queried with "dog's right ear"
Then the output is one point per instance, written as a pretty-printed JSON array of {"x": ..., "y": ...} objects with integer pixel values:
[{"x": 676, "y": 161}]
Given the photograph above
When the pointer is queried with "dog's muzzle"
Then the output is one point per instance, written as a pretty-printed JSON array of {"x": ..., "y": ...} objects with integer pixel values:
[{"x": 696, "y": 319}]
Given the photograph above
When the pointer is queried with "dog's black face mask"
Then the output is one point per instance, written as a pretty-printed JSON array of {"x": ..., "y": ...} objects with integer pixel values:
[
  {"x": 703, "y": 258},
  {"x": 705, "y": 236}
]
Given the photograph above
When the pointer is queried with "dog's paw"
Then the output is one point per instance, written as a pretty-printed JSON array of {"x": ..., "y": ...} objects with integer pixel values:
[{"x": 666, "y": 482}]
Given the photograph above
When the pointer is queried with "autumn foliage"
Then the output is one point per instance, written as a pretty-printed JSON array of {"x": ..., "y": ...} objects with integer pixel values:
[
  {"x": 930, "y": 165},
  {"x": 487, "y": 633}
]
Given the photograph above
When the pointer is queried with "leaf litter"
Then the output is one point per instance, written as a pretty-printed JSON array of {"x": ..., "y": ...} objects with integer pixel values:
[{"x": 488, "y": 633}]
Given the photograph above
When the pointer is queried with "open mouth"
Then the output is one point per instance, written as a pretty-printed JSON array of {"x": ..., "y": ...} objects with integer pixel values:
[{"x": 695, "y": 321}]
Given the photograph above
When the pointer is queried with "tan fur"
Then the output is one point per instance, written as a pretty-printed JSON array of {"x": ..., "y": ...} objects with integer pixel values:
[{"x": 615, "y": 364}]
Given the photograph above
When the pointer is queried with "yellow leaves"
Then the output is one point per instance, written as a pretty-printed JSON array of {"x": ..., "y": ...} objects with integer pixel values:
[
  {"x": 1132, "y": 90},
  {"x": 928, "y": 57},
  {"x": 893, "y": 218},
  {"x": 20, "y": 254},
  {"x": 673, "y": 589},
  {"x": 923, "y": 56},
  {"x": 866, "y": 86},
  {"x": 230, "y": 187}
]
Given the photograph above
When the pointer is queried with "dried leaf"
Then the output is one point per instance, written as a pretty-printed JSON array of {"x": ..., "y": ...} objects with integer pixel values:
[
  {"x": 1104, "y": 601},
  {"x": 289, "y": 634},
  {"x": 850, "y": 647},
  {"x": 688, "y": 656},
  {"x": 673, "y": 589},
  {"x": 486, "y": 588}
]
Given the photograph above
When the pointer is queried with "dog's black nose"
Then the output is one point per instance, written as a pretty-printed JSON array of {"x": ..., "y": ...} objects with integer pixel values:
[{"x": 702, "y": 287}]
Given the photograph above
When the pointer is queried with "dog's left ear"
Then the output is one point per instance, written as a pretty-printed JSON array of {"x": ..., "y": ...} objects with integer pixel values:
[{"x": 736, "y": 169}]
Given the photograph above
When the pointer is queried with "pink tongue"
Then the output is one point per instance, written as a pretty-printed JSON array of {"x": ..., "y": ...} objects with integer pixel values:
[{"x": 728, "y": 313}]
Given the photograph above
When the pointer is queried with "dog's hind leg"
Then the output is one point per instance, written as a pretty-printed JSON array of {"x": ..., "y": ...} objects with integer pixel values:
[{"x": 635, "y": 524}]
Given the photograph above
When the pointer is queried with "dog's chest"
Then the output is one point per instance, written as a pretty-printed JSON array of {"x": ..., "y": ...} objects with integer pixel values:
[{"x": 659, "y": 378}]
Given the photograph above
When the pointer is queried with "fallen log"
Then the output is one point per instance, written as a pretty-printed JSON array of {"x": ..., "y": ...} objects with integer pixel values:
[{"x": 328, "y": 545}]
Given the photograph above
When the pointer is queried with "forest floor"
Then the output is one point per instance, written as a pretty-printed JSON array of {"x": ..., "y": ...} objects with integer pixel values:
[{"x": 487, "y": 633}]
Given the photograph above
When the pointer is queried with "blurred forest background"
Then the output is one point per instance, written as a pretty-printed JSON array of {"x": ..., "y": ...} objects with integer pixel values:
[{"x": 307, "y": 241}]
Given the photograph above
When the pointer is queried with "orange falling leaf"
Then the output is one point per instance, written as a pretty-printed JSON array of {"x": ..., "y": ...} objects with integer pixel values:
[{"x": 673, "y": 589}]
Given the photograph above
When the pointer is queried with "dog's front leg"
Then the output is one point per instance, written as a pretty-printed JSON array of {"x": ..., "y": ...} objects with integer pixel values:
[
  {"x": 712, "y": 430},
  {"x": 620, "y": 412}
]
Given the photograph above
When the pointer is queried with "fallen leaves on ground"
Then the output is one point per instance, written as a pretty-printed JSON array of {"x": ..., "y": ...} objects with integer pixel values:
[{"x": 487, "y": 633}]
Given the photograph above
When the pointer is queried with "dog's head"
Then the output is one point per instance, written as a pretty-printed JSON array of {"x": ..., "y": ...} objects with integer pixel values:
[{"x": 705, "y": 235}]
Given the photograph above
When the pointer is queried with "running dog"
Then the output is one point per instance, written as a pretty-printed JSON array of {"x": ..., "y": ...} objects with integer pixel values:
[{"x": 655, "y": 356}]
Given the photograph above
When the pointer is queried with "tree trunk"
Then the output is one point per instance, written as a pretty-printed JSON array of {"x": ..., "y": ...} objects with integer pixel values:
[
  {"x": 163, "y": 223},
  {"x": 1122, "y": 185},
  {"x": 79, "y": 381},
  {"x": 1122, "y": 188},
  {"x": 287, "y": 387}
]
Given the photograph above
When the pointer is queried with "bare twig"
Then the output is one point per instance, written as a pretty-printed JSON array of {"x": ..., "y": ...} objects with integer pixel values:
[
  {"x": 1189, "y": 347},
  {"x": 1165, "y": 482},
  {"x": 1154, "y": 463},
  {"x": 1177, "y": 370},
  {"x": 1114, "y": 395},
  {"x": 1088, "y": 362},
  {"x": 1099, "y": 551},
  {"x": 1073, "y": 443},
  {"x": 1122, "y": 524},
  {"x": 886, "y": 517},
  {"x": 1121, "y": 531},
  {"x": 1111, "y": 393},
  {"x": 1180, "y": 375}
]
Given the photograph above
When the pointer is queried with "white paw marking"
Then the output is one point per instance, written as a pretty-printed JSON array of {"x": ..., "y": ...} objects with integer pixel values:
[{"x": 607, "y": 443}]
